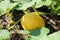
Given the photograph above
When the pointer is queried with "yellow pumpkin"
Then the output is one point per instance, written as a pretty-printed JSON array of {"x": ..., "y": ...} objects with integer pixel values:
[{"x": 32, "y": 21}]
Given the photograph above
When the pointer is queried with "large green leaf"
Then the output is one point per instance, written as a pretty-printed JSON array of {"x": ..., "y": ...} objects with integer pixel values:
[
  {"x": 6, "y": 6},
  {"x": 4, "y": 34},
  {"x": 40, "y": 31},
  {"x": 41, "y": 34},
  {"x": 54, "y": 36},
  {"x": 40, "y": 3},
  {"x": 35, "y": 34},
  {"x": 24, "y": 4}
]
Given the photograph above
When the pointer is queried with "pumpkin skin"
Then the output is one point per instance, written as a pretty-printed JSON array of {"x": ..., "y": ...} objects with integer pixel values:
[{"x": 32, "y": 21}]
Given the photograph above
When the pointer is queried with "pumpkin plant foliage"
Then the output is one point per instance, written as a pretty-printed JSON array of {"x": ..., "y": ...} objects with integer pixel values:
[
  {"x": 41, "y": 34},
  {"x": 55, "y": 7},
  {"x": 37, "y": 34},
  {"x": 6, "y": 6},
  {"x": 39, "y": 3},
  {"x": 4, "y": 34}
]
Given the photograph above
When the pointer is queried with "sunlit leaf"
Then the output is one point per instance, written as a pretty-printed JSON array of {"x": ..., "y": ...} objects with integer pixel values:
[
  {"x": 24, "y": 4},
  {"x": 37, "y": 34},
  {"x": 40, "y": 3},
  {"x": 6, "y": 6},
  {"x": 4, "y": 34},
  {"x": 54, "y": 36}
]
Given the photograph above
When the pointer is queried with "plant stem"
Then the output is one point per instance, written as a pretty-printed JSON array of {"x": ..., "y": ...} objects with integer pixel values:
[
  {"x": 35, "y": 10},
  {"x": 18, "y": 20},
  {"x": 25, "y": 12},
  {"x": 14, "y": 24}
]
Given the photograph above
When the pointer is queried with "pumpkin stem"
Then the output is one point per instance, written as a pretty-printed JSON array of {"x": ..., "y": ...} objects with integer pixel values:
[
  {"x": 35, "y": 10},
  {"x": 25, "y": 12}
]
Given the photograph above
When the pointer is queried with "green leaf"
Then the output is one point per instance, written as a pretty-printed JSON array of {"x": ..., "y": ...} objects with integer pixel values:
[
  {"x": 41, "y": 34},
  {"x": 55, "y": 7},
  {"x": 58, "y": 10},
  {"x": 35, "y": 34},
  {"x": 6, "y": 6},
  {"x": 38, "y": 33},
  {"x": 4, "y": 34},
  {"x": 24, "y": 4},
  {"x": 54, "y": 36},
  {"x": 40, "y": 3}
]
